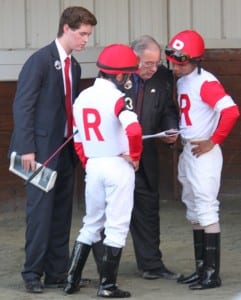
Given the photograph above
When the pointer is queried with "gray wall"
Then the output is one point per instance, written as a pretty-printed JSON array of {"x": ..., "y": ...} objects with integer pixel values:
[{"x": 27, "y": 25}]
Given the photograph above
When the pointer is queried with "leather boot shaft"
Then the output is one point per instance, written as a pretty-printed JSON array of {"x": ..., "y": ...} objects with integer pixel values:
[
  {"x": 108, "y": 274},
  {"x": 78, "y": 259},
  {"x": 210, "y": 278},
  {"x": 98, "y": 252},
  {"x": 198, "y": 243}
]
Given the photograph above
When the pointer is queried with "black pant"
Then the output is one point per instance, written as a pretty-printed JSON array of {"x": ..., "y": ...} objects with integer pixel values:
[
  {"x": 48, "y": 222},
  {"x": 145, "y": 225}
]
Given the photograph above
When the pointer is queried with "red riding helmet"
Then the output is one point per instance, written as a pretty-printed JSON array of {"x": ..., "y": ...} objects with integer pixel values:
[
  {"x": 116, "y": 59},
  {"x": 187, "y": 45}
]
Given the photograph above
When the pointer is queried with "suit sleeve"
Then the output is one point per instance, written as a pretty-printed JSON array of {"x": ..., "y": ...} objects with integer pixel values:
[
  {"x": 28, "y": 90},
  {"x": 169, "y": 116}
]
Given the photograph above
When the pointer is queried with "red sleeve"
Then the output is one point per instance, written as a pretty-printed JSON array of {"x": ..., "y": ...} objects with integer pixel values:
[
  {"x": 134, "y": 134},
  {"x": 119, "y": 106},
  {"x": 211, "y": 92},
  {"x": 78, "y": 146},
  {"x": 227, "y": 121},
  {"x": 80, "y": 152}
]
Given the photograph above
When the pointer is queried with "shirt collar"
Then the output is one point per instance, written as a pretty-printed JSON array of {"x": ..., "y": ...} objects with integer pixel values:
[{"x": 62, "y": 53}]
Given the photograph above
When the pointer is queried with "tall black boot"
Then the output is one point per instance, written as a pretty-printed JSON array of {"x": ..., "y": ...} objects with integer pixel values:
[
  {"x": 210, "y": 278},
  {"x": 78, "y": 258},
  {"x": 108, "y": 275},
  {"x": 98, "y": 252},
  {"x": 198, "y": 242}
]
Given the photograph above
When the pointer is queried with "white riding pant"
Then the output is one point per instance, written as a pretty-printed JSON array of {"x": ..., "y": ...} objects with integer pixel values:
[
  {"x": 109, "y": 201},
  {"x": 200, "y": 178}
]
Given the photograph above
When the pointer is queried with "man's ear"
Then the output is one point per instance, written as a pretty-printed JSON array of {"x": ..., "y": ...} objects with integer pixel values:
[
  {"x": 119, "y": 77},
  {"x": 66, "y": 27}
]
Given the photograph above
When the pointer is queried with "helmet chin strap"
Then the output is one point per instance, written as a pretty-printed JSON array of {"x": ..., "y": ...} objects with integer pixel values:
[
  {"x": 198, "y": 64},
  {"x": 120, "y": 84},
  {"x": 198, "y": 67}
]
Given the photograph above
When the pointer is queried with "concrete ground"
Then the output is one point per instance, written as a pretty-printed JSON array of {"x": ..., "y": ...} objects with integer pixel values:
[{"x": 176, "y": 244}]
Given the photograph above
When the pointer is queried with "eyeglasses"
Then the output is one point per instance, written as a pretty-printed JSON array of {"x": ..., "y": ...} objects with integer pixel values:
[
  {"x": 149, "y": 64},
  {"x": 177, "y": 55}
]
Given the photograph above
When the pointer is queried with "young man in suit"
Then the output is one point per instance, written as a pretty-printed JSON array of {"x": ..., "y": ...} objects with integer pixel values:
[{"x": 41, "y": 118}]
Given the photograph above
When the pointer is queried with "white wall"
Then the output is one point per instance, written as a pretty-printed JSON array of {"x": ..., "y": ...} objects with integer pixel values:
[{"x": 27, "y": 25}]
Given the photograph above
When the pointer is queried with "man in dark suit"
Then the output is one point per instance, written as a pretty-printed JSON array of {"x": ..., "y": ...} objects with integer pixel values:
[
  {"x": 157, "y": 112},
  {"x": 40, "y": 127}
]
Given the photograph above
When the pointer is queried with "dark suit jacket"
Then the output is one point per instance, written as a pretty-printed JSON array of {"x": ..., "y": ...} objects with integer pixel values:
[
  {"x": 39, "y": 105},
  {"x": 158, "y": 113}
]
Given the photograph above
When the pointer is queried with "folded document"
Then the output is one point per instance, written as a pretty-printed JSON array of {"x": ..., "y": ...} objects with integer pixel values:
[
  {"x": 44, "y": 180},
  {"x": 166, "y": 133}
]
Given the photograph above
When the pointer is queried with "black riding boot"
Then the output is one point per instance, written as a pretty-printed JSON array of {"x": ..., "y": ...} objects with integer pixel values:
[
  {"x": 79, "y": 256},
  {"x": 198, "y": 242},
  {"x": 108, "y": 275},
  {"x": 210, "y": 278},
  {"x": 98, "y": 252}
]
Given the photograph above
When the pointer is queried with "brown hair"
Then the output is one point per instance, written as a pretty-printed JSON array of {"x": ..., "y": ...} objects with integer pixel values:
[{"x": 74, "y": 16}]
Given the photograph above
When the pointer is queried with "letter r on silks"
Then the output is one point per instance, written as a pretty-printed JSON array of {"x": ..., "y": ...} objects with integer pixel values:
[
  {"x": 92, "y": 120},
  {"x": 184, "y": 108}
]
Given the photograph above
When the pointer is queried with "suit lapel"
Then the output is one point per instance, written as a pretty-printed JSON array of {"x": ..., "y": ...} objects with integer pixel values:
[
  {"x": 74, "y": 81},
  {"x": 58, "y": 69}
]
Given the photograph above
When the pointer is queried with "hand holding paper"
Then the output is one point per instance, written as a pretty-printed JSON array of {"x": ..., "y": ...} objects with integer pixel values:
[
  {"x": 162, "y": 134},
  {"x": 44, "y": 178}
]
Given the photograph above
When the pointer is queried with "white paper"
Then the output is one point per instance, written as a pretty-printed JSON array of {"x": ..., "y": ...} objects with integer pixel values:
[
  {"x": 44, "y": 180},
  {"x": 162, "y": 134}
]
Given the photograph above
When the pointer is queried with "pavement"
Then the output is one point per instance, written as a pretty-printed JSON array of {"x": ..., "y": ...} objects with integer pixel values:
[{"x": 176, "y": 245}]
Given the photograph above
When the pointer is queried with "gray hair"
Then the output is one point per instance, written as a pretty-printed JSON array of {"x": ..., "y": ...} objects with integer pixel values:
[{"x": 145, "y": 42}]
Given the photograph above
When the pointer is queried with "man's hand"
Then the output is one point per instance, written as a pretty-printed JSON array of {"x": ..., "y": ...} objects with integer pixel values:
[
  {"x": 135, "y": 164},
  {"x": 202, "y": 147},
  {"x": 170, "y": 139},
  {"x": 28, "y": 162}
]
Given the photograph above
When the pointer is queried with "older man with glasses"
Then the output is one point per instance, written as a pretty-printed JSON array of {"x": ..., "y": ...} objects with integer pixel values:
[{"x": 157, "y": 112}]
